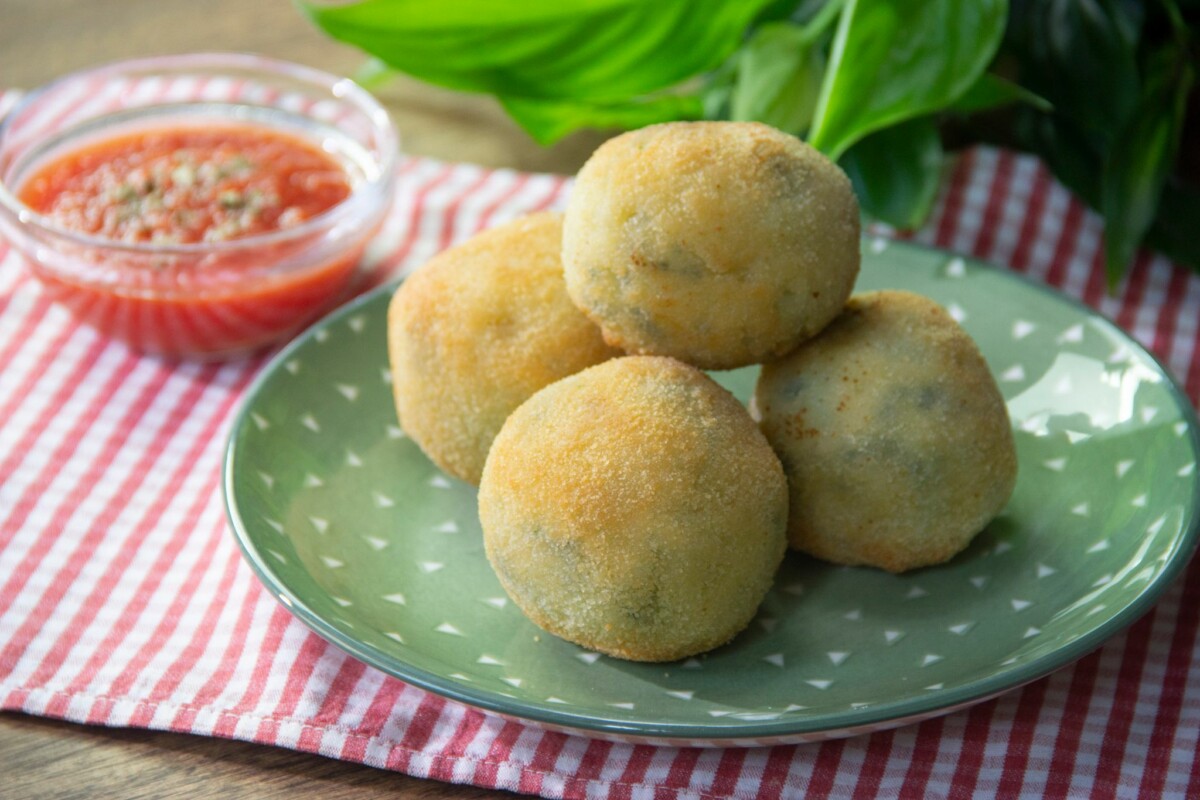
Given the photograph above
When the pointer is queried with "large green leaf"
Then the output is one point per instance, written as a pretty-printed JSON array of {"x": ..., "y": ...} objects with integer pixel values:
[
  {"x": 1141, "y": 158},
  {"x": 894, "y": 60},
  {"x": 896, "y": 172},
  {"x": 581, "y": 51},
  {"x": 1068, "y": 151},
  {"x": 1174, "y": 229},
  {"x": 992, "y": 91},
  {"x": 1081, "y": 56},
  {"x": 778, "y": 78},
  {"x": 547, "y": 121}
]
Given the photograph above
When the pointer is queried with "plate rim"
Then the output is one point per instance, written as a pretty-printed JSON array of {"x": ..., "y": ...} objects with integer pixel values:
[{"x": 756, "y": 732}]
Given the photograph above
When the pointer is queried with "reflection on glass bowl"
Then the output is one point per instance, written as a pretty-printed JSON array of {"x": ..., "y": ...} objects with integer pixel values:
[{"x": 204, "y": 298}]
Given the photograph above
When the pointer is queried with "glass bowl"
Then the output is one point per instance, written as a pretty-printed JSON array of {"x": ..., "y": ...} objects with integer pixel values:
[{"x": 203, "y": 299}]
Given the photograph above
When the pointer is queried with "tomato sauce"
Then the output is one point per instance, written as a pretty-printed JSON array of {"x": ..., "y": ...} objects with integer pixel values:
[
  {"x": 191, "y": 185},
  {"x": 188, "y": 185}
]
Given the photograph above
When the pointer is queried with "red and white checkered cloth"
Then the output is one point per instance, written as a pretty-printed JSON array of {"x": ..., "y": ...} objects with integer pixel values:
[{"x": 125, "y": 601}]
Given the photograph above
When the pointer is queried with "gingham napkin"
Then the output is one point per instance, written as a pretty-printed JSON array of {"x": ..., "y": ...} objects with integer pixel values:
[{"x": 125, "y": 601}]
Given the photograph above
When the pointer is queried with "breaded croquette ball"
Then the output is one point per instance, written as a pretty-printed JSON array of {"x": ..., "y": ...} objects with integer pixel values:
[
  {"x": 722, "y": 244},
  {"x": 477, "y": 330},
  {"x": 635, "y": 509},
  {"x": 894, "y": 436}
]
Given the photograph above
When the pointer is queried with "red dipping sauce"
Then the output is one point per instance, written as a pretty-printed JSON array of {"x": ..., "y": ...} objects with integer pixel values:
[
  {"x": 187, "y": 185},
  {"x": 215, "y": 204},
  {"x": 197, "y": 205}
]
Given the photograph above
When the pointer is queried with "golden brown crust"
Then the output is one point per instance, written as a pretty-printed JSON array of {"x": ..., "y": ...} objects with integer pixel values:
[
  {"x": 895, "y": 438},
  {"x": 722, "y": 244},
  {"x": 635, "y": 509},
  {"x": 477, "y": 330}
]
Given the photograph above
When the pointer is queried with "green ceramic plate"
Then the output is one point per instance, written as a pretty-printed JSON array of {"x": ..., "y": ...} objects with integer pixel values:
[{"x": 380, "y": 553}]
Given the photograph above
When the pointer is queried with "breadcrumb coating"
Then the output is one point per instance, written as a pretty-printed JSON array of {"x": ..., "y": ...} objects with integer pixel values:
[
  {"x": 722, "y": 244},
  {"x": 893, "y": 433},
  {"x": 635, "y": 509},
  {"x": 477, "y": 330}
]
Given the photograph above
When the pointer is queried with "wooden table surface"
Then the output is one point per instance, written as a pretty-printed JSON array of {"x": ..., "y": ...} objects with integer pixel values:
[{"x": 43, "y": 39}]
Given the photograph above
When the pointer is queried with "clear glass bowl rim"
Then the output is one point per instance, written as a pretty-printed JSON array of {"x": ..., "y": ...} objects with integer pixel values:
[{"x": 340, "y": 88}]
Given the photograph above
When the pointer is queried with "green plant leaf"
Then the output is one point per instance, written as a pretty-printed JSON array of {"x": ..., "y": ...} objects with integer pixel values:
[
  {"x": 1067, "y": 151},
  {"x": 1081, "y": 56},
  {"x": 1112, "y": 136},
  {"x": 594, "y": 51},
  {"x": 892, "y": 61},
  {"x": 547, "y": 121},
  {"x": 787, "y": 9},
  {"x": 895, "y": 172},
  {"x": 1173, "y": 231},
  {"x": 805, "y": 11},
  {"x": 992, "y": 91},
  {"x": 373, "y": 73},
  {"x": 717, "y": 92},
  {"x": 1141, "y": 157},
  {"x": 778, "y": 78}
]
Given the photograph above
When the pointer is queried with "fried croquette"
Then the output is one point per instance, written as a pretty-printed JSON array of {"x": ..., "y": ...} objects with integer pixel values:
[
  {"x": 722, "y": 244},
  {"x": 635, "y": 509},
  {"x": 477, "y": 330},
  {"x": 893, "y": 434}
]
